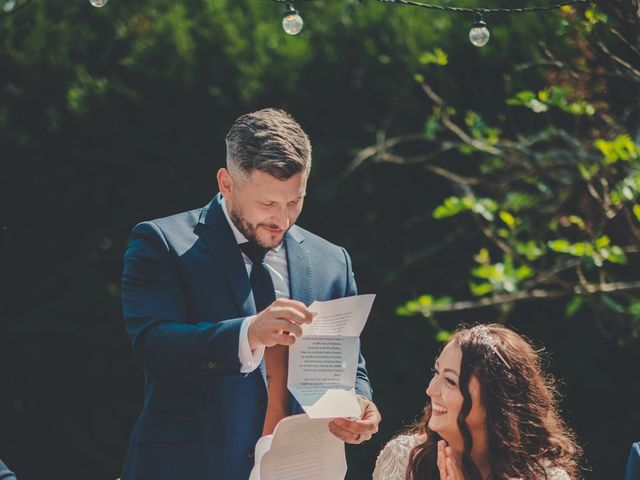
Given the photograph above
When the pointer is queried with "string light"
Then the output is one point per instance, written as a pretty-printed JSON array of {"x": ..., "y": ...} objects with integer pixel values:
[
  {"x": 292, "y": 22},
  {"x": 478, "y": 35},
  {"x": 8, "y": 5}
]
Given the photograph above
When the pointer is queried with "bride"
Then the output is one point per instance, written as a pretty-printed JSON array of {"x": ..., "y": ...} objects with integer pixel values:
[{"x": 492, "y": 415}]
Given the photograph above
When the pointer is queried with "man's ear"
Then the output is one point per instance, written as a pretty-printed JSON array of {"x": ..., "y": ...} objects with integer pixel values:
[{"x": 224, "y": 182}]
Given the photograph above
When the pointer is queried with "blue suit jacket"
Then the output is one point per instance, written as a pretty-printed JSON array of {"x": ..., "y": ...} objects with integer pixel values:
[
  {"x": 185, "y": 293},
  {"x": 5, "y": 473},
  {"x": 633, "y": 463}
]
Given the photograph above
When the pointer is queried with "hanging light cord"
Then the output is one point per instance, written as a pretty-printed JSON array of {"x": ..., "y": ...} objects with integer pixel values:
[
  {"x": 484, "y": 10},
  {"x": 447, "y": 8}
]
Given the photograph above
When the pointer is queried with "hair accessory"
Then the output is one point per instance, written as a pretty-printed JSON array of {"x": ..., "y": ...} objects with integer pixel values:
[{"x": 482, "y": 334}]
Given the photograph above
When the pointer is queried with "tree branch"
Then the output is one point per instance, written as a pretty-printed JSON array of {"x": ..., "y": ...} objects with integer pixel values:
[
  {"x": 382, "y": 147},
  {"x": 617, "y": 59},
  {"x": 454, "y": 177},
  {"x": 624, "y": 39},
  {"x": 459, "y": 132},
  {"x": 573, "y": 71},
  {"x": 536, "y": 294}
]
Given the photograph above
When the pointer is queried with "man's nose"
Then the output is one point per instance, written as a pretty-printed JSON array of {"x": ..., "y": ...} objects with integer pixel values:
[{"x": 281, "y": 219}]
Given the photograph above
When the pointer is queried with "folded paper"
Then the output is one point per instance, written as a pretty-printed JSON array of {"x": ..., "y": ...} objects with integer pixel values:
[{"x": 324, "y": 361}]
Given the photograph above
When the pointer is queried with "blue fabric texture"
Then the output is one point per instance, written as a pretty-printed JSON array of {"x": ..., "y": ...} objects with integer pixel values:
[
  {"x": 633, "y": 463},
  {"x": 5, "y": 473},
  {"x": 185, "y": 293}
]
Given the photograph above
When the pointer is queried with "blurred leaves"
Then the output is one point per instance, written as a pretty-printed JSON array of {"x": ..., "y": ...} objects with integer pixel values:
[
  {"x": 599, "y": 251},
  {"x": 452, "y": 206},
  {"x": 437, "y": 57},
  {"x": 423, "y": 305},
  {"x": 620, "y": 148},
  {"x": 500, "y": 277},
  {"x": 551, "y": 97},
  {"x": 554, "y": 190}
]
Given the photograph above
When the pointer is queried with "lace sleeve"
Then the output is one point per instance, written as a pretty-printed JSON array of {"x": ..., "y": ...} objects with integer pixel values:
[
  {"x": 557, "y": 473},
  {"x": 394, "y": 458}
]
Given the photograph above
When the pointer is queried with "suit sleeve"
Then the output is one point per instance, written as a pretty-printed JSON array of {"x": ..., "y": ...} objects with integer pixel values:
[
  {"x": 363, "y": 386},
  {"x": 155, "y": 313},
  {"x": 5, "y": 473}
]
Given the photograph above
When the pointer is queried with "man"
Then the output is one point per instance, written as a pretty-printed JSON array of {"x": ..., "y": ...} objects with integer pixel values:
[{"x": 208, "y": 293}]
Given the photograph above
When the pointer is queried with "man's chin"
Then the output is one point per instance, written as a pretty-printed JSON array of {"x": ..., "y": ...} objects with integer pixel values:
[{"x": 270, "y": 240}]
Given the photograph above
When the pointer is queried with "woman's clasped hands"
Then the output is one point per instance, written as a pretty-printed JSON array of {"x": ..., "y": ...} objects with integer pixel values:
[{"x": 448, "y": 463}]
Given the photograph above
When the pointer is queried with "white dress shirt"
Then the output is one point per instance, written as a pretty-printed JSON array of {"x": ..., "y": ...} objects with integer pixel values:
[{"x": 276, "y": 263}]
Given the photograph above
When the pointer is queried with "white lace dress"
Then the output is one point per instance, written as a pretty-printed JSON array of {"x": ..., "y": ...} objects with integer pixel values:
[{"x": 393, "y": 460}]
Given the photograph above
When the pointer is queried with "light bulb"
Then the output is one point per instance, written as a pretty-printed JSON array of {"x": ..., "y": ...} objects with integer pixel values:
[
  {"x": 98, "y": 3},
  {"x": 479, "y": 34},
  {"x": 8, "y": 5},
  {"x": 292, "y": 22}
]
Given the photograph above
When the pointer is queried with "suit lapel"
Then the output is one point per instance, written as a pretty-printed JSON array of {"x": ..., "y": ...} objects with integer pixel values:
[
  {"x": 300, "y": 280},
  {"x": 219, "y": 237},
  {"x": 217, "y": 233}
]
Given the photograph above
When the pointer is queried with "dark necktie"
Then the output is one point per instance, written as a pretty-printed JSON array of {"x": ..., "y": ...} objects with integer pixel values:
[
  {"x": 276, "y": 358},
  {"x": 261, "y": 284}
]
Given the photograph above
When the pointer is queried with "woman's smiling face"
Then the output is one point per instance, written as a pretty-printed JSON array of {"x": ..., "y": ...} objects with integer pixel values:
[{"x": 446, "y": 398}]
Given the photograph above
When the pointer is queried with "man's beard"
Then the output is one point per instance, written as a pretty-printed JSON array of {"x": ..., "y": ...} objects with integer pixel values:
[{"x": 250, "y": 231}]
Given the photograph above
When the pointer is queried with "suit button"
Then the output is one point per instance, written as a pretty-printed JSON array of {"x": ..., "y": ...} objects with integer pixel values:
[{"x": 250, "y": 453}]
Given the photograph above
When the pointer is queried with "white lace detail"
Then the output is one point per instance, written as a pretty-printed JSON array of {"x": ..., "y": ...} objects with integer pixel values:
[
  {"x": 393, "y": 460},
  {"x": 557, "y": 473}
]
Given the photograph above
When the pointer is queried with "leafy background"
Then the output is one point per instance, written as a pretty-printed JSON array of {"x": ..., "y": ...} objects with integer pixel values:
[{"x": 469, "y": 185}]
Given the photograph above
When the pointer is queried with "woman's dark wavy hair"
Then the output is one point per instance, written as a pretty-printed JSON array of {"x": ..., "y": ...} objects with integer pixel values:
[{"x": 525, "y": 431}]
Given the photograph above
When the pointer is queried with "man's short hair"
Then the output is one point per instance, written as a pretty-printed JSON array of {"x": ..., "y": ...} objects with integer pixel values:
[{"x": 271, "y": 141}]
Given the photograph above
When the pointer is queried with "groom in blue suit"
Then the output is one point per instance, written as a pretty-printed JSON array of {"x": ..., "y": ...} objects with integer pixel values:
[{"x": 212, "y": 299}]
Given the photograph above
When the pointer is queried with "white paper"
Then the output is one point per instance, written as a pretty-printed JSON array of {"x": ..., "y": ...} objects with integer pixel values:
[
  {"x": 301, "y": 448},
  {"x": 323, "y": 362}
]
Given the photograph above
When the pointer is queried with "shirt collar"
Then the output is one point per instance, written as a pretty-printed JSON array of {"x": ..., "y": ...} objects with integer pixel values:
[{"x": 240, "y": 238}]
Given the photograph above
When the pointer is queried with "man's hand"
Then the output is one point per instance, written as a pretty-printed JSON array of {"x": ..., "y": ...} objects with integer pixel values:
[
  {"x": 357, "y": 431},
  {"x": 278, "y": 324}
]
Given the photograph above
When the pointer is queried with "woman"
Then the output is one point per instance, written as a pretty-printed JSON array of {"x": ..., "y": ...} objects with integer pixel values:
[{"x": 492, "y": 415}]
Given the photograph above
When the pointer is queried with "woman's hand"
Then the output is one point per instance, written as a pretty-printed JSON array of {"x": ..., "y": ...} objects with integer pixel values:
[{"x": 448, "y": 464}]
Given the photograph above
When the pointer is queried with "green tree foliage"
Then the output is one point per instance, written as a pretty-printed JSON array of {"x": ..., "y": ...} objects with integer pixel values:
[
  {"x": 554, "y": 190},
  {"x": 531, "y": 187},
  {"x": 523, "y": 165}
]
